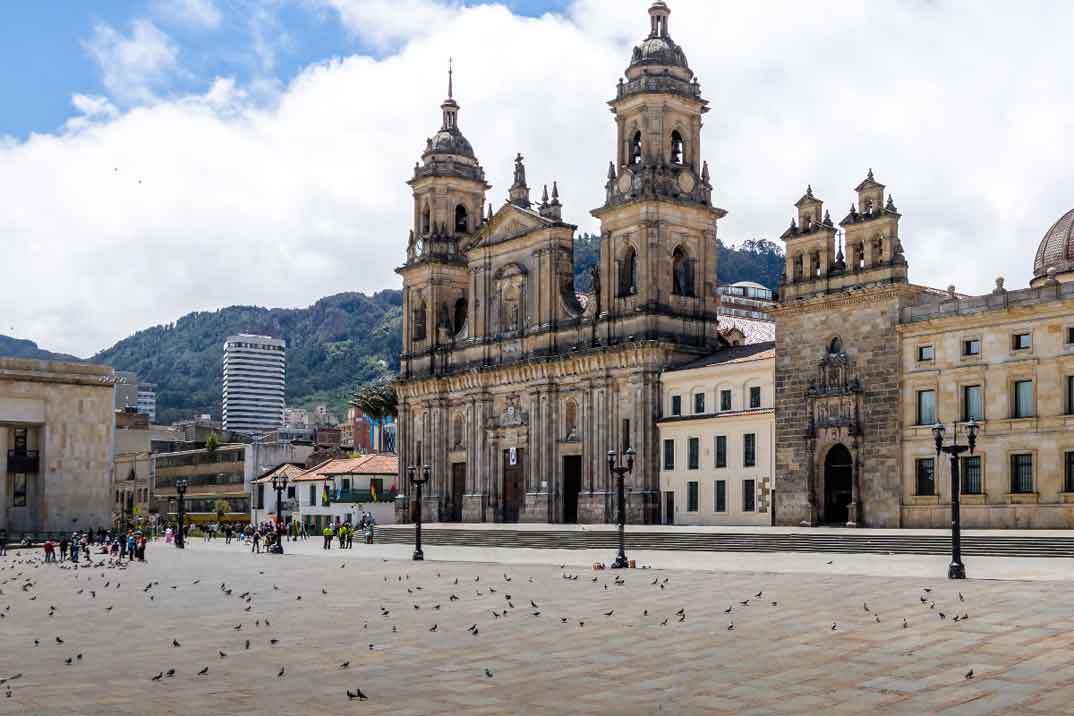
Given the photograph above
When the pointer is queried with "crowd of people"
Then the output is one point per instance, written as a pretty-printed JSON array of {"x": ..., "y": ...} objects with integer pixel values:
[{"x": 82, "y": 545}]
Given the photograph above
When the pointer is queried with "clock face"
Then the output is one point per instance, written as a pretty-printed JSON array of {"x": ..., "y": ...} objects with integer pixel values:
[
  {"x": 624, "y": 182},
  {"x": 419, "y": 247},
  {"x": 686, "y": 182}
]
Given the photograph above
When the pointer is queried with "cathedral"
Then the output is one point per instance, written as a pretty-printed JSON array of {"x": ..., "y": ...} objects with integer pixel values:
[{"x": 514, "y": 387}]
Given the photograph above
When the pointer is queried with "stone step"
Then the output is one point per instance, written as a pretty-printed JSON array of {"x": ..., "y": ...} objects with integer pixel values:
[{"x": 998, "y": 545}]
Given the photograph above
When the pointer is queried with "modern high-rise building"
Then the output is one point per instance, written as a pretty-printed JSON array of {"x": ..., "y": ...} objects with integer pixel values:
[
  {"x": 147, "y": 401},
  {"x": 254, "y": 382}
]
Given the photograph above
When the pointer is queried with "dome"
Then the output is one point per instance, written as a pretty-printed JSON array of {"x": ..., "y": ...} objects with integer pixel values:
[
  {"x": 659, "y": 51},
  {"x": 1057, "y": 248},
  {"x": 450, "y": 141}
]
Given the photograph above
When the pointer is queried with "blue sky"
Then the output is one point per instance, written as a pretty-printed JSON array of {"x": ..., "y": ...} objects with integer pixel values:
[{"x": 44, "y": 59}]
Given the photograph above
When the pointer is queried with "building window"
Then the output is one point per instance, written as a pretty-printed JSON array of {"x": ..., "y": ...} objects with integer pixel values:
[
  {"x": 721, "y": 451},
  {"x": 626, "y": 434},
  {"x": 1022, "y": 473},
  {"x": 755, "y": 397},
  {"x": 1070, "y": 395},
  {"x": 699, "y": 403},
  {"x": 691, "y": 496},
  {"x": 682, "y": 273},
  {"x": 971, "y": 347},
  {"x": 749, "y": 450},
  {"x": 720, "y": 501},
  {"x": 926, "y": 407},
  {"x": 1068, "y": 483},
  {"x": 461, "y": 220},
  {"x": 971, "y": 475},
  {"x": 926, "y": 477},
  {"x": 972, "y": 403},
  {"x": 725, "y": 400},
  {"x": 628, "y": 272},
  {"x": 635, "y": 149},
  {"x": 669, "y": 454},
  {"x": 313, "y": 495},
  {"x": 748, "y": 498},
  {"x": 291, "y": 492},
  {"x": 1023, "y": 399},
  {"x": 676, "y": 405},
  {"x": 926, "y": 353},
  {"x": 693, "y": 458},
  {"x": 676, "y": 147},
  {"x": 1021, "y": 342},
  {"x": 1070, "y": 335}
]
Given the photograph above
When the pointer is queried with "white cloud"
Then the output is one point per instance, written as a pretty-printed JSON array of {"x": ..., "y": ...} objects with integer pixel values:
[
  {"x": 384, "y": 23},
  {"x": 199, "y": 14},
  {"x": 133, "y": 67},
  {"x": 961, "y": 111}
]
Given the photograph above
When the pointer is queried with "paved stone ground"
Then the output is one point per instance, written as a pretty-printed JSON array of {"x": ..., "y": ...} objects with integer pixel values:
[{"x": 781, "y": 658}]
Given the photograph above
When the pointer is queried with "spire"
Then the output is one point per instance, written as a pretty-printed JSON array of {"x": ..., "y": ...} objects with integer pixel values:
[
  {"x": 809, "y": 190},
  {"x": 555, "y": 193},
  {"x": 870, "y": 174},
  {"x": 450, "y": 106},
  {"x": 544, "y": 196},
  {"x": 705, "y": 172}
]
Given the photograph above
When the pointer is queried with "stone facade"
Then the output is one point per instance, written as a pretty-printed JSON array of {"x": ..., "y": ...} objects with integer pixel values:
[
  {"x": 867, "y": 362},
  {"x": 56, "y": 423},
  {"x": 513, "y": 387}
]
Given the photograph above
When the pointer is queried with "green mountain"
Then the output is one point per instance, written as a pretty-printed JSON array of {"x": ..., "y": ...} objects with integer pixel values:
[
  {"x": 21, "y": 348},
  {"x": 337, "y": 343}
]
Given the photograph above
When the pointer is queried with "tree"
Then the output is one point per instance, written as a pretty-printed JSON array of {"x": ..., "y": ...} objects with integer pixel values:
[
  {"x": 379, "y": 401},
  {"x": 212, "y": 443},
  {"x": 222, "y": 507}
]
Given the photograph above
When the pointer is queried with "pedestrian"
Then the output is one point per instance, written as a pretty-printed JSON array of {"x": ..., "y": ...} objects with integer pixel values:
[
  {"x": 369, "y": 532},
  {"x": 74, "y": 548},
  {"x": 50, "y": 550},
  {"x": 328, "y": 537},
  {"x": 3, "y": 543},
  {"x": 64, "y": 544},
  {"x": 257, "y": 542}
]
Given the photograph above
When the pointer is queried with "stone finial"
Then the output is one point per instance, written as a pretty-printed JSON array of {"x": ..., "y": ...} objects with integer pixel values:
[
  {"x": 828, "y": 220},
  {"x": 544, "y": 196},
  {"x": 809, "y": 190},
  {"x": 490, "y": 211},
  {"x": 611, "y": 170},
  {"x": 891, "y": 203},
  {"x": 705, "y": 172},
  {"x": 999, "y": 285},
  {"x": 951, "y": 291},
  {"x": 555, "y": 193},
  {"x": 1051, "y": 280},
  {"x": 870, "y": 174}
]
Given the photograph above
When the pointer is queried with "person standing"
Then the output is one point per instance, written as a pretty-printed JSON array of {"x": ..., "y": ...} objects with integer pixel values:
[
  {"x": 3, "y": 543},
  {"x": 328, "y": 537},
  {"x": 256, "y": 548}
]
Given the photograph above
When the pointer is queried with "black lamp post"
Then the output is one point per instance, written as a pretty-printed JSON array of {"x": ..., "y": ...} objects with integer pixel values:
[
  {"x": 412, "y": 473},
  {"x": 180, "y": 489},
  {"x": 279, "y": 484},
  {"x": 957, "y": 570},
  {"x": 620, "y": 471}
]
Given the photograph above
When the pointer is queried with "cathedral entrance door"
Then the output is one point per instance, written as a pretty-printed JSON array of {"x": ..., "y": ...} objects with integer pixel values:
[
  {"x": 458, "y": 488},
  {"x": 513, "y": 485},
  {"x": 838, "y": 476},
  {"x": 572, "y": 485}
]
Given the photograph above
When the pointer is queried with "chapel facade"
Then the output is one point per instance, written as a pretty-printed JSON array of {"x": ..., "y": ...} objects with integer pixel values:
[{"x": 514, "y": 386}]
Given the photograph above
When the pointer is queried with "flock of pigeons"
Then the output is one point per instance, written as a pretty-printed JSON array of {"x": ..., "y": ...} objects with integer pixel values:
[{"x": 500, "y": 600}]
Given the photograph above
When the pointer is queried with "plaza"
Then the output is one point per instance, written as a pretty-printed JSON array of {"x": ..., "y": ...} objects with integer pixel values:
[{"x": 840, "y": 634}]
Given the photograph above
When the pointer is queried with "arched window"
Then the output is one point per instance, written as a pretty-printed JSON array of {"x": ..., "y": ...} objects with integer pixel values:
[
  {"x": 461, "y": 224},
  {"x": 460, "y": 314},
  {"x": 419, "y": 321},
  {"x": 457, "y": 431},
  {"x": 682, "y": 273},
  {"x": 836, "y": 346},
  {"x": 628, "y": 272},
  {"x": 859, "y": 255},
  {"x": 570, "y": 413},
  {"x": 635, "y": 148},
  {"x": 426, "y": 220},
  {"x": 878, "y": 251},
  {"x": 676, "y": 147}
]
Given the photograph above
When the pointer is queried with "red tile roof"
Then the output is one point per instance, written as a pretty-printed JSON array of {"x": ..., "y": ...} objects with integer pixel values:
[{"x": 364, "y": 465}]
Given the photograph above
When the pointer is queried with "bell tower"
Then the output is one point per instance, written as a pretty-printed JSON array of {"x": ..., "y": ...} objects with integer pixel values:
[
  {"x": 658, "y": 225},
  {"x": 449, "y": 195}
]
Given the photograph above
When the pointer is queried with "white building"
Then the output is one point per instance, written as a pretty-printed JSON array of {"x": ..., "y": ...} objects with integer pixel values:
[
  {"x": 147, "y": 401},
  {"x": 254, "y": 383},
  {"x": 717, "y": 446}
]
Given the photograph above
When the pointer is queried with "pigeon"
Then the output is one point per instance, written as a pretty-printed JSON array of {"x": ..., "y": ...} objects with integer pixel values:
[
  {"x": 433, "y": 628},
  {"x": 927, "y": 589},
  {"x": 345, "y": 664},
  {"x": 281, "y": 671},
  {"x": 745, "y": 603},
  {"x": 356, "y": 694},
  {"x": 829, "y": 561},
  {"x": 204, "y": 671},
  {"x": 942, "y": 615},
  {"x": 834, "y": 626},
  {"x": 169, "y": 673},
  {"x": 758, "y": 595},
  {"x": 664, "y": 623},
  {"x": 731, "y": 626},
  {"x": 67, "y": 661},
  {"x": 59, "y": 640},
  {"x": 175, "y": 643},
  {"x": 865, "y": 606},
  {"x": 729, "y": 608},
  {"x": 905, "y": 624},
  {"x": 237, "y": 627},
  {"x": 645, "y": 613},
  {"x": 158, "y": 677},
  {"x": 608, "y": 614},
  {"x": 877, "y": 618},
  {"x": 274, "y": 642},
  {"x": 960, "y": 597},
  {"x": 222, "y": 654},
  {"x": 247, "y": 643},
  {"x": 563, "y": 620},
  {"x": 534, "y": 604},
  {"x": 488, "y": 673},
  {"x": 474, "y": 632},
  {"x": 969, "y": 674}
]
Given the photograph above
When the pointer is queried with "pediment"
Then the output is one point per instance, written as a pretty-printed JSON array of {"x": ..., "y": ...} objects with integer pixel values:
[{"x": 509, "y": 223}]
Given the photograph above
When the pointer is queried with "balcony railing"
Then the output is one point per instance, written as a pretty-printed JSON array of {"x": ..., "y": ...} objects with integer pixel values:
[
  {"x": 353, "y": 496},
  {"x": 22, "y": 461}
]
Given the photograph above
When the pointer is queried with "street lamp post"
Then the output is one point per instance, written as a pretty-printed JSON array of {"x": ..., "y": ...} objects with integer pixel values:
[
  {"x": 180, "y": 489},
  {"x": 279, "y": 483},
  {"x": 957, "y": 570},
  {"x": 412, "y": 473},
  {"x": 620, "y": 471}
]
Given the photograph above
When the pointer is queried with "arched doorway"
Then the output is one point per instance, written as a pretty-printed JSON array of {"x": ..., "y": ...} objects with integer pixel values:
[{"x": 838, "y": 478}]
